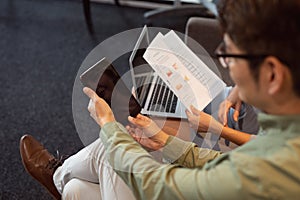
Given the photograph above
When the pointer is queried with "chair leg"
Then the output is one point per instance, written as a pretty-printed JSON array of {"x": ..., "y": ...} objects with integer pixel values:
[
  {"x": 117, "y": 2},
  {"x": 87, "y": 15}
]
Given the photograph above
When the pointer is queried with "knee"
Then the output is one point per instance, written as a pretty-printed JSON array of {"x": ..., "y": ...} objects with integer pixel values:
[
  {"x": 72, "y": 190},
  {"x": 77, "y": 189}
]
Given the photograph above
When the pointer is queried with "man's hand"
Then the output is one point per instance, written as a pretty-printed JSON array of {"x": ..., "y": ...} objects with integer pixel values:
[
  {"x": 203, "y": 122},
  {"x": 232, "y": 101},
  {"x": 146, "y": 132},
  {"x": 98, "y": 108},
  {"x": 147, "y": 142}
]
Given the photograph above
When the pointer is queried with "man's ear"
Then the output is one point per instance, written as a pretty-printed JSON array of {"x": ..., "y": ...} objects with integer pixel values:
[{"x": 274, "y": 74}]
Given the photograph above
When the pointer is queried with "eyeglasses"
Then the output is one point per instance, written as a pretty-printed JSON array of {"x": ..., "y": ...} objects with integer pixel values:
[{"x": 224, "y": 57}]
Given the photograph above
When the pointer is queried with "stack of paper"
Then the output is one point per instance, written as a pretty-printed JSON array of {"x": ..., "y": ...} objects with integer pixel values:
[{"x": 187, "y": 76}]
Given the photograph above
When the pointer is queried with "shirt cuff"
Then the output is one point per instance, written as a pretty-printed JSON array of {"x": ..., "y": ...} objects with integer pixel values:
[{"x": 109, "y": 129}]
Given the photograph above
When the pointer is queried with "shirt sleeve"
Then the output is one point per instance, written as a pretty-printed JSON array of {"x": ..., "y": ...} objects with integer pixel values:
[
  {"x": 187, "y": 154},
  {"x": 149, "y": 179}
]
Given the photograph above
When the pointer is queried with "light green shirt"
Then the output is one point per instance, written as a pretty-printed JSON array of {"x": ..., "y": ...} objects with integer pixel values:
[{"x": 265, "y": 168}]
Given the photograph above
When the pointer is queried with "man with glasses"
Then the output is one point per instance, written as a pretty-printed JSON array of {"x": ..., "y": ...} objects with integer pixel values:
[
  {"x": 226, "y": 58},
  {"x": 261, "y": 45}
]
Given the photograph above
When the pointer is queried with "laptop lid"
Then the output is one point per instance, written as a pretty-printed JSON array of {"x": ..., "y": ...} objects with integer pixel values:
[
  {"x": 137, "y": 63},
  {"x": 139, "y": 67}
]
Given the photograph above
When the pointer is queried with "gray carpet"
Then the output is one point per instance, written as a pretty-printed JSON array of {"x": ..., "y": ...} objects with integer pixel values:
[{"x": 42, "y": 45}]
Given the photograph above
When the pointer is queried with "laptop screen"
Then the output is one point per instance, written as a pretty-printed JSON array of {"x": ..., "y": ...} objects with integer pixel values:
[{"x": 137, "y": 63}]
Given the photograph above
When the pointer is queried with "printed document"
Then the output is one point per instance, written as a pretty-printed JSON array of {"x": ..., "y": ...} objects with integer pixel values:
[{"x": 185, "y": 73}]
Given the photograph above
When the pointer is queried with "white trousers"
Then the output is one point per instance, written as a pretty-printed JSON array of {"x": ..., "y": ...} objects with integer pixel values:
[{"x": 88, "y": 175}]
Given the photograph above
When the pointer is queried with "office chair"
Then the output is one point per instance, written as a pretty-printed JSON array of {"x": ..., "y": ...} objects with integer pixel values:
[
  {"x": 87, "y": 14},
  {"x": 207, "y": 33},
  {"x": 178, "y": 10}
]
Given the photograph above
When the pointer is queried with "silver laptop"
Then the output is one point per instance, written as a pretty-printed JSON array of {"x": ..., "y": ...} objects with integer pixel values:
[{"x": 153, "y": 94}]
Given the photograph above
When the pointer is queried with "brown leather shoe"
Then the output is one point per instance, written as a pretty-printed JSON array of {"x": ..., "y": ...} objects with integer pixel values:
[{"x": 39, "y": 163}]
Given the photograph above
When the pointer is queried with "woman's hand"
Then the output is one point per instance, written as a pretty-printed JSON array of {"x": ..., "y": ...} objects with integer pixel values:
[
  {"x": 232, "y": 101},
  {"x": 98, "y": 108}
]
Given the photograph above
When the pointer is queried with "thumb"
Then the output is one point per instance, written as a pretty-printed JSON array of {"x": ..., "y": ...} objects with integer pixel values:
[
  {"x": 236, "y": 115},
  {"x": 131, "y": 119},
  {"x": 237, "y": 111},
  {"x": 138, "y": 122},
  {"x": 90, "y": 93},
  {"x": 195, "y": 111},
  {"x": 188, "y": 113}
]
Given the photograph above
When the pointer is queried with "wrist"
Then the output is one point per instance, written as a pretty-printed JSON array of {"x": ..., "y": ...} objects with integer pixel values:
[
  {"x": 216, "y": 127},
  {"x": 161, "y": 137},
  {"x": 107, "y": 120}
]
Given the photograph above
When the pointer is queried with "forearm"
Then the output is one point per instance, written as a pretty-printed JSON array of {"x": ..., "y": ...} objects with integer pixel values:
[
  {"x": 235, "y": 136},
  {"x": 147, "y": 178},
  {"x": 187, "y": 154},
  {"x": 176, "y": 150},
  {"x": 128, "y": 159},
  {"x": 230, "y": 134}
]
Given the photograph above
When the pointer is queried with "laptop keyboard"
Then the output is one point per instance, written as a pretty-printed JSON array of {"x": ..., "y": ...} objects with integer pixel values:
[
  {"x": 143, "y": 88},
  {"x": 162, "y": 99}
]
